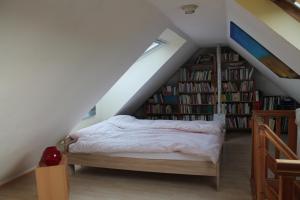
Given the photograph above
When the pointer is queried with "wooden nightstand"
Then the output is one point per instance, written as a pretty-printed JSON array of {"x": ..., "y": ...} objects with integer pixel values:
[{"x": 52, "y": 181}]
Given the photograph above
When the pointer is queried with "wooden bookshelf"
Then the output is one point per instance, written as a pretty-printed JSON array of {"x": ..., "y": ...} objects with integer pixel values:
[
  {"x": 238, "y": 90},
  {"x": 192, "y": 96},
  {"x": 279, "y": 103},
  {"x": 193, "y": 93}
]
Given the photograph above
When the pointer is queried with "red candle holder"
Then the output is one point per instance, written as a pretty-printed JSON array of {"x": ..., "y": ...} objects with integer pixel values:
[{"x": 51, "y": 156}]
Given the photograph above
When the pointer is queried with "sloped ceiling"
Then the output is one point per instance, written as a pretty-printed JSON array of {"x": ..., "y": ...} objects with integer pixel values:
[
  {"x": 275, "y": 42},
  {"x": 58, "y": 58},
  {"x": 147, "y": 73},
  {"x": 263, "y": 20},
  {"x": 159, "y": 78},
  {"x": 207, "y": 26}
]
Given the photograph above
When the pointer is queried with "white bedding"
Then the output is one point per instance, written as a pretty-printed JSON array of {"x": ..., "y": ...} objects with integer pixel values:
[{"x": 126, "y": 134}]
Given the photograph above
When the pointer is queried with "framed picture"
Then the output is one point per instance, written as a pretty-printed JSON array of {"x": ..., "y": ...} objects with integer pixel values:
[{"x": 261, "y": 53}]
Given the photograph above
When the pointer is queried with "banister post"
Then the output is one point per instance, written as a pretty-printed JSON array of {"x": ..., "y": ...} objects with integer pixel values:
[
  {"x": 286, "y": 186},
  {"x": 255, "y": 172},
  {"x": 292, "y": 133},
  {"x": 262, "y": 164},
  {"x": 297, "y": 121}
]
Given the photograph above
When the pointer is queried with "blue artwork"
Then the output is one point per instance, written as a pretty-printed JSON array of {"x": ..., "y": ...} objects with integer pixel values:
[{"x": 261, "y": 53}]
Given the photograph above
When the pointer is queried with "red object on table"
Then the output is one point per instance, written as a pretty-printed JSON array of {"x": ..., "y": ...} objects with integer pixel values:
[{"x": 51, "y": 156}]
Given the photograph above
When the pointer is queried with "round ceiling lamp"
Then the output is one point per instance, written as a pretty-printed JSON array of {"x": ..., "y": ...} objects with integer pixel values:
[{"x": 189, "y": 8}]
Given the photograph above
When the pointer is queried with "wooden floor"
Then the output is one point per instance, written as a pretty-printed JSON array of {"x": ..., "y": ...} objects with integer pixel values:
[{"x": 92, "y": 184}]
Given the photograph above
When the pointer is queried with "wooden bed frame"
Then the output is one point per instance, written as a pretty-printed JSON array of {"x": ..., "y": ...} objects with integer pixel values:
[{"x": 187, "y": 167}]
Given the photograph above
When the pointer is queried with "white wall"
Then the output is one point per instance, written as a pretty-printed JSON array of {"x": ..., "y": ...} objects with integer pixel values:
[
  {"x": 267, "y": 86},
  {"x": 276, "y": 18},
  {"x": 271, "y": 41},
  {"x": 58, "y": 58},
  {"x": 135, "y": 78}
]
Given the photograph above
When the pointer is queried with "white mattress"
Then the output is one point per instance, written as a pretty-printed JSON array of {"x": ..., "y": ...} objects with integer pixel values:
[{"x": 164, "y": 156}]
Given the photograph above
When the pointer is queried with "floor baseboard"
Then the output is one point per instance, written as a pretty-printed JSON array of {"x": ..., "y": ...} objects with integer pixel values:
[{"x": 8, "y": 180}]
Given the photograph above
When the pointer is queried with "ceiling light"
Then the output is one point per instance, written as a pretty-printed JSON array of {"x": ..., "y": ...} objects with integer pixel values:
[
  {"x": 297, "y": 4},
  {"x": 189, "y": 8}
]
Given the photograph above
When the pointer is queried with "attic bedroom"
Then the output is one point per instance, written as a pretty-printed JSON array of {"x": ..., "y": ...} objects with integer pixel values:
[{"x": 150, "y": 99}]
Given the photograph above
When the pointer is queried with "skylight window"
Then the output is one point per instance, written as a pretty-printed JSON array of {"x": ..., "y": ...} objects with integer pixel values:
[
  {"x": 91, "y": 113},
  {"x": 154, "y": 45}
]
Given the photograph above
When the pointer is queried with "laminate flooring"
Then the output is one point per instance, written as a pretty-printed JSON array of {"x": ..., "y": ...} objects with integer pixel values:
[{"x": 102, "y": 184}]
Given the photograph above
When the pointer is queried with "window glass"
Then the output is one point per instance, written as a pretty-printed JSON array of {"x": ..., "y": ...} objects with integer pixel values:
[{"x": 154, "y": 45}]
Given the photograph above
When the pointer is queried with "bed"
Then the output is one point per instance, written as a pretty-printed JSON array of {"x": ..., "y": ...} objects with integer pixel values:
[{"x": 163, "y": 146}]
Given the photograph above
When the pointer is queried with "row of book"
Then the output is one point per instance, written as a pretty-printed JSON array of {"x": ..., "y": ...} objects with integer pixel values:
[
  {"x": 195, "y": 87},
  {"x": 199, "y": 98},
  {"x": 186, "y": 75},
  {"x": 271, "y": 103},
  {"x": 237, "y": 96},
  {"x": 201, "y": 59},
  {"x": 283, "y": 122},
  {"x": 244, "y": 86},
  {"x": 196, "y": 99},
  {"x": 279, "y": 103},
  {"x": 159, "y": 98},
  {"x": 236, "y": 108},
  {"x": 196, "y": 117},
  {"x": 237, "y": 122},
  {"x": 156, "y": 98},
  {"x": 188, "y": 109},
  {"x": 230, "y": 57},
  {"x": 183, "y": 117},
  {"x": 240, "y": 73},
  {"x": 169, "y": 90},
  {"x": 159, "y": 109}
]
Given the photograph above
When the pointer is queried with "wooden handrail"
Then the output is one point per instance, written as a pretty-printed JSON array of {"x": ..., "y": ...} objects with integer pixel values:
[
  {"x": 286, "y": 167},
  {"x": 277, "y": 114},
  {"x": 273, "y": 113},
  {"x": 285, "y": 170},
  {"x": 278, "y": 143}
]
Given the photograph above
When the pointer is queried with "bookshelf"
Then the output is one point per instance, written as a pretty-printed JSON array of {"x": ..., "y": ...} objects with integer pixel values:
[
  {"x": 279, "y": 103},
  {"x": 192, "y": 96},
  {"x": 191, "y": 93},
  {"x": 238, "y": 90}
]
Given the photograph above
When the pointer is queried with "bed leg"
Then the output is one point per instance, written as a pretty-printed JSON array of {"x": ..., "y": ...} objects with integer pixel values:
[
  {"x": 218, "y": 177},
  {"x": 218, "y": 183},
  {"x": 72, "y": 169}
]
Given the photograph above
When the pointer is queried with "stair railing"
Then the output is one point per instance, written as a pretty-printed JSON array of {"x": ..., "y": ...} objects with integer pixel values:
[{"x": 275, "y": 164}]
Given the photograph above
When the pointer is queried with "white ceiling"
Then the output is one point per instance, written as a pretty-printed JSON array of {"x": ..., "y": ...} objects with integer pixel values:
[{"x": 207, "y": 26}]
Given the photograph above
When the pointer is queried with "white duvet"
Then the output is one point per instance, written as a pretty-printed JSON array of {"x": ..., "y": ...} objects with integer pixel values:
[{"x": 126, "y": 134}]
